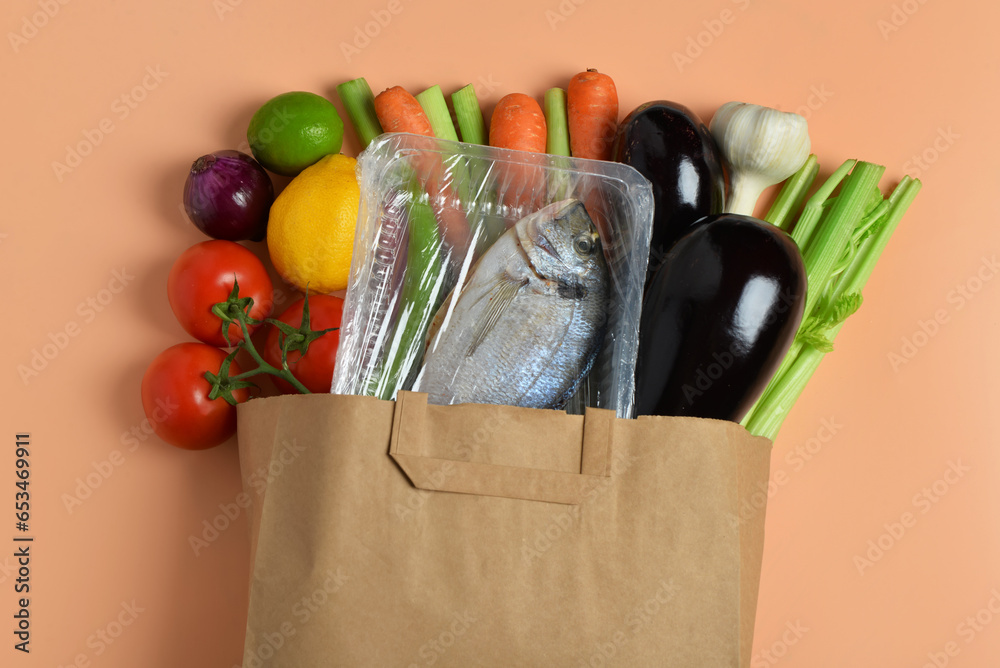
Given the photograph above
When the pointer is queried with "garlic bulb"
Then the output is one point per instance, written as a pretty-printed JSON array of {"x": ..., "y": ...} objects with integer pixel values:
[{"x": 763, "y": 146}]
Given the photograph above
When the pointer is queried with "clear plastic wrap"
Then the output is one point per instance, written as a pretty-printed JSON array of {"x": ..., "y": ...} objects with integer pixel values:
[{"x": 547, "y": 319}]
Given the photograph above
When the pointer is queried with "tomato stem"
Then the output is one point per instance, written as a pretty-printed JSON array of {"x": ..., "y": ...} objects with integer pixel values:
[
  {"x": 236, "y": 310},
  {"x": 263, "y": 366}
]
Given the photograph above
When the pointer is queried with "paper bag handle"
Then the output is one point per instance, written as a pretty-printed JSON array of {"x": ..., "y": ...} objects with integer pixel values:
[{"x": 513, "y": 482}]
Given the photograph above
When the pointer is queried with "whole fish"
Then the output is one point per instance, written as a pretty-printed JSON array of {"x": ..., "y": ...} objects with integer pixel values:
[{"x": 526, "y": 327}]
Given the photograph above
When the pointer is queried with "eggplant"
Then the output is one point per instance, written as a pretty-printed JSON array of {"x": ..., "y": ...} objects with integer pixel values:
[
  {"x": 717, "y": 319},
  {"x": 669, "y": 145}
]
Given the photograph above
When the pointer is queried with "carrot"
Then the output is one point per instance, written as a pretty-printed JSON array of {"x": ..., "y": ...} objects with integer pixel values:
[
  {"x": 398, "y": 111},
  {"x": 592, "y": 110},
  {"x": 519, "y": 124}
]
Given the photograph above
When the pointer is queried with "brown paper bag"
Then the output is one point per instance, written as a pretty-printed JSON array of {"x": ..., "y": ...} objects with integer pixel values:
[{"x": 403, "y": 534}]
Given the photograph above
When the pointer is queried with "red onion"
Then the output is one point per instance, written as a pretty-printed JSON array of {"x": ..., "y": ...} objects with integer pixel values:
[{"x": 228, "y": 195}]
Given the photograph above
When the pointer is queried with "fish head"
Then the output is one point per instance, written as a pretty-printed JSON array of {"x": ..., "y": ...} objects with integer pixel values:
[{"x": 562, "y": 243}]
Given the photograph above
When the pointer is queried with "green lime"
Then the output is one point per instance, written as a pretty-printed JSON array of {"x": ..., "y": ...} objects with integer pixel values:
[{"x": 294, "y": 130}]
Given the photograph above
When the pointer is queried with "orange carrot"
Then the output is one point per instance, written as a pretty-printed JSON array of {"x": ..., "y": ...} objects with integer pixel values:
[
  {"x": 398, "y": 111},
  {"x": 518, "y": 123},
  {"x": 592, "y": 115}
]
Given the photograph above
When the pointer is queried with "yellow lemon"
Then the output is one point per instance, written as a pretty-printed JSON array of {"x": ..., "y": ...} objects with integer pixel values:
[{"x": 310, "y": 231}]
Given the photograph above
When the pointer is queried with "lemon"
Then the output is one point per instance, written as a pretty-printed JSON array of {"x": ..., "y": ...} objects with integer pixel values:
[
  {"x": 310, "y": 231},
  {"x": 294, "y": 130}
]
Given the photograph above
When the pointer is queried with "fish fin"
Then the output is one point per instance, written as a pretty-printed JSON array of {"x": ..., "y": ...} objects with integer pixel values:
[
  {"x": 439, "y": 316},
  {"x": 501, "y": 296}
]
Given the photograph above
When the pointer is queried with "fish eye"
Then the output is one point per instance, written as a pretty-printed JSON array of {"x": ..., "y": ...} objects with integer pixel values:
[{"x": 584, "y": 244}]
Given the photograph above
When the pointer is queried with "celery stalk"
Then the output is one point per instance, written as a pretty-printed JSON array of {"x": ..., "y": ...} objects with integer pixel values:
[
  {"x": 830, "y": 240},
  {"x": 359, "y": 102},
  {"x": 803, "y": 229},
  {"x": 422, "y": 292},
  {"x": 824, "y": 248},
  {"x": 476, "y": 174},
  {"x": 557, "y": 138},
  {"x": 469, "y": 116},
  {"x": 861, "y": 269},
  {"x": 557, "y": 142},
  {"x": 767, "y": 420},
  {"x": 457, "y": 175},
  {"x": 433, "y": 103},
  {"x": 791, "y": 195},
  {"x": 768, "y": 414}
]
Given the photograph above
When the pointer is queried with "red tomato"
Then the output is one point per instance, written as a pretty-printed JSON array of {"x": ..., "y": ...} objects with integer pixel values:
[
  {"x": 175, "y": 397},
  {"x": 315, "y": 368},
  {"x": 203, "y": 276}
]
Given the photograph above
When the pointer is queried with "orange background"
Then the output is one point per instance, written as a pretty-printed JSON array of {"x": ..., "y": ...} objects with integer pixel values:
[{"x": 886, "y": 81}]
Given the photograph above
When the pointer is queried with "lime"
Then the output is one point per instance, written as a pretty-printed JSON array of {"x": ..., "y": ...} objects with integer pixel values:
[{"x": 294, "y": 130}]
